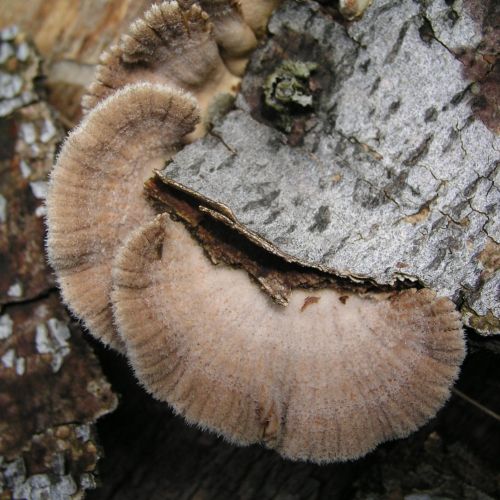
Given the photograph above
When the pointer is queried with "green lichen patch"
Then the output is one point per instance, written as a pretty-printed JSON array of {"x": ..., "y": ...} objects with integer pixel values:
[{"x": 288, "y": 93}]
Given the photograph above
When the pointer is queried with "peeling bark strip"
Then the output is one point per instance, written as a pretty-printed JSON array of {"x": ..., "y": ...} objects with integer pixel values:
[
  {"x": 395, "y": 177},
  {"x": 226, "y": 241}
]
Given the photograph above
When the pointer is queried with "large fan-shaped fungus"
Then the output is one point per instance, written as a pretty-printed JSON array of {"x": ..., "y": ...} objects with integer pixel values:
[
  {"x": 95, "y": 194},
  {"x": 326, "y": 378}
]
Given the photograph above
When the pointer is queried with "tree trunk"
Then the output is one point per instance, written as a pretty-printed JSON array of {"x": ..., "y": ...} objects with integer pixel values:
[{"x": 383, "y": 166}]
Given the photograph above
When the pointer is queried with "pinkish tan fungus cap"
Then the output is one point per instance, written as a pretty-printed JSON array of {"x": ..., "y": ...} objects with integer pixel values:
[
  {"x": 326, "y": 378},
  {"x": 169, "y": 45},
  {"x": 257, "y": 13},
  {"x": 235, "y": 38},
  {"x": 96, "y": 191}
]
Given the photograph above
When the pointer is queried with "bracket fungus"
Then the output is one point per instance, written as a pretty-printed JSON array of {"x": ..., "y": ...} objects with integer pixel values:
[
  {"x": 233, "y": 35},
  {"x": 315, "y": 364},
  {"x": 95, "y": 194},
  {"x": 326, "y": 378},
  {"x": 176, "y": 45}
]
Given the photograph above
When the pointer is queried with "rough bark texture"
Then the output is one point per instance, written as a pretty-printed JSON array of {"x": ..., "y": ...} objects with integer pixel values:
[
  {"x": 392, "y": 173},
  {"x": 51, "y": 386},
  {"x": 149, "y": 452},
  {"x": 70, "y": 36}
]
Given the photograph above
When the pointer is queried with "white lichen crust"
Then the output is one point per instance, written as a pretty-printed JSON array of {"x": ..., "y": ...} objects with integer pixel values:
[
  {"x": 95, "y": 195},
  {"x": 326, "y": 378}
]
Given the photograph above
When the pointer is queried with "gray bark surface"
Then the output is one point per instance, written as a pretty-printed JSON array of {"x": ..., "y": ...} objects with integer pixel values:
[
  {"x": 48, "y": 446},
  {"x": 395, "y": 175}
]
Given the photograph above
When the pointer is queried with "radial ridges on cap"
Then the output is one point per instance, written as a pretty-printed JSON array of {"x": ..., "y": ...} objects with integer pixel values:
[
  {"x": 233, "y": 35},
  {"x": 168, "y": 45},
  {"x": 322, "y": 380},
  {"x": 96, "y": 191}
]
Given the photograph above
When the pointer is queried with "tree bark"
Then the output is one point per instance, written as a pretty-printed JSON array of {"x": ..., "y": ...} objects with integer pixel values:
[
  {"x": 51, "y": 386},
  {"x": 70, "y": 37},
  {"x": 390, "y": 173}
]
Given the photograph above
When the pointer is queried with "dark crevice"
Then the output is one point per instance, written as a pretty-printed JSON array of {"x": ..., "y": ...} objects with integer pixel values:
[
  {"x": 27, "y": 301},
  {"x": 226, "y": 241}
]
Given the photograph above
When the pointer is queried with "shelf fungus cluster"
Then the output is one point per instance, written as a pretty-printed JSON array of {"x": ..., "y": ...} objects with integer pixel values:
[{"x": 236, "y": 336}]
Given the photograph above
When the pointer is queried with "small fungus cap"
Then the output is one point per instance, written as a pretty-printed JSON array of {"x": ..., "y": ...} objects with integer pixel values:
[
  {"x": 233, "y": 35},
  {"x": 95, "y": 193},
  {"x": 169, "y": 45},
  {"x": 257, "y": 12},
  {"x": 352, "y": 9},
  {"x": 326, "y": 378}
]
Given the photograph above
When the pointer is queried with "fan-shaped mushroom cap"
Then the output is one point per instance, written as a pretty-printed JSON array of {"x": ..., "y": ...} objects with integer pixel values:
[
  {"x": 257, "y": 12},
  {"x": 95, "y": 194},
  {"x": 233, "y": 35},
  {"x": 168, "y": 45},
  {"x": 327, "y": 378}
]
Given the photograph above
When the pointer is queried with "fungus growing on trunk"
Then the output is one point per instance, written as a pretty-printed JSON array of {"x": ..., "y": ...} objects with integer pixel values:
[
  {"x": 134, "y": 123},
  {"x": 257, "y": 12},
  {"x": 95, "y": 193},
  {"x": 233, "y": 35},
  {"x": 169, "y": 45},
  {"x": 317, "y": 365},
  {"x": 326, "y": 378}
]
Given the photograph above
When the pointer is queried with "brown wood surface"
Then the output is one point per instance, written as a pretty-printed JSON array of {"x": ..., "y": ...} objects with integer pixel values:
[
  {"x": 67, "y": 30},
  {"x": 151, "y": 453},
  {"x": 70, "y": 35}
]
